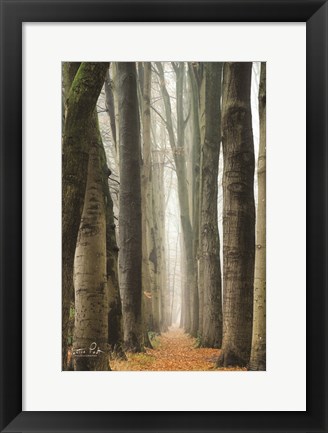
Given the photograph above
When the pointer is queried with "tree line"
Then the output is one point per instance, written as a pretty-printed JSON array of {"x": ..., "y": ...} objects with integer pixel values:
[{"x": 182, "y": 117}]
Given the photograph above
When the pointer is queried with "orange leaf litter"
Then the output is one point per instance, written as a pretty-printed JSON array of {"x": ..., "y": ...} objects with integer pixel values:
[{"x": 175, "y": 351}]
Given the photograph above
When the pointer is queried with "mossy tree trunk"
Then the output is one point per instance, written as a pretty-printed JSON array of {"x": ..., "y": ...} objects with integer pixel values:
[
  {"x": 130, "y": 232},
  {"x": 258, "y": 353},
  {"x": 238, "y": 215},
  {"x": 80, "y": 103},
  {"x": 209, "y": 254}
]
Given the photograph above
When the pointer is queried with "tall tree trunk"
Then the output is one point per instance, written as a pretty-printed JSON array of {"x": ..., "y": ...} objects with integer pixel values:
[
  {"x": 130, "y": 254},
  {"x": 238, "y": 215},
  {"x": 159, "y": 230},
  {"x": 209, "y": 233},
  {"x": 258, "y": 353},
  {"x": 144, "y": 87},
  {"x": 115, "y": 320},
  {"x": 90, "y": 276},
  {"x": 80, "y": 103}
]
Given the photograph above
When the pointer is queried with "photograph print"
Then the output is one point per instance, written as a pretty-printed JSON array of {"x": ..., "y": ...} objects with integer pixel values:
[{"x": 164, "y": 216}]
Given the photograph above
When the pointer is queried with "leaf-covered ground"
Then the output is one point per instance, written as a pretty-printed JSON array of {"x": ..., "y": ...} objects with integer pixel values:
[{"x": 173, "y": 351}]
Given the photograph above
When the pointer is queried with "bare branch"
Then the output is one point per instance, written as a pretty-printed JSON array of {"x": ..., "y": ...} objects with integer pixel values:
[{"x": 159, "y": 114}]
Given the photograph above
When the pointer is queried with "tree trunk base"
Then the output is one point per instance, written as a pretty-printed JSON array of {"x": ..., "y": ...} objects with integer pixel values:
[
  {"x": 228, "y": 358},
  {"x": 257, "y": 366},
  {"x": 99, "y": 363},
  {"x": 117, "y": 352}
]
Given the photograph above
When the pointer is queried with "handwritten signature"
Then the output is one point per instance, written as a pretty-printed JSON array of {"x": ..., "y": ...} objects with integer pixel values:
[{"x": 90, "y": 352}]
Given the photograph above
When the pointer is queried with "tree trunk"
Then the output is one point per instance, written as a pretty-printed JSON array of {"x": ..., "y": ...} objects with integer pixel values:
[
  {"x": 69, "y": 70},
  {"x": 110, "y": 106},
  {"x": 130, "y": 255},
  {"x": 238, "y": 215},
  {"x": 146, "y": 199},
  {"x": 79, "y": 107},
  {"x": 209, "y": 233},
  {"x": 115, "y": 320},
  {"x": 90, "y": 276},
  {"x": 258, "y": 353},
  {"x": 194, "y": 182}
]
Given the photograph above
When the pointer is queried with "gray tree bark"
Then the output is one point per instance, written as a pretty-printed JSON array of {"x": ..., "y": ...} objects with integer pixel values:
[
  {"x": 209, "y": 254},
  {"x": 238, "y": 215},
  {"x": 258, "y": 353},
  {"x": 90, "y": 276},
  {"x": 130, "y": 235},
  {"x": 79, "y": 106}
]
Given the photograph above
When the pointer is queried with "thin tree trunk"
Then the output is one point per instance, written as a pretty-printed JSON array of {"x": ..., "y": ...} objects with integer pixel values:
[
  {"x": 258, "y": 353},
  {"x": 194, "y": 73},
  {"x": 130, "y": 254},
  {"x": 80, "y": 103},
  {"x": 238, "y": 215},
  {"x": 144, "y": 74},
  {"x": 209, "y": 233}
]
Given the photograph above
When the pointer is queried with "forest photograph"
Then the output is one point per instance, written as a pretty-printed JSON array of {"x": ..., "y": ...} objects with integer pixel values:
[{"x": 164, "y": 216}]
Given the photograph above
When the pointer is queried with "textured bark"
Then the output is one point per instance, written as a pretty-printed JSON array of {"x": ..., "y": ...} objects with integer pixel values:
[
  {"x": 155, "y": 258},
  {"x": 159, "y": 235},
  {"x": 80, "y": 103},
  {"x": 196, "y": 195},
  {"x": 209, "y": 257},
  {"x": 258, "y": 353},
  {"x": 200, "y": 269},
  {"x": 69, "y": 70},
  {"x": 144, "y": 105},
  {"x": 110, "y": 106},
  {"x": 130, "y": 254},
  {"x": 90, "y": 276},
  {"x": 238, "y": 215},
  {"x": 115, "y": 320}
]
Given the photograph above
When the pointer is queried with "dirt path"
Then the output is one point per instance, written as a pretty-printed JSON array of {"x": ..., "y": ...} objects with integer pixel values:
[{"x": 173, "y": 351}]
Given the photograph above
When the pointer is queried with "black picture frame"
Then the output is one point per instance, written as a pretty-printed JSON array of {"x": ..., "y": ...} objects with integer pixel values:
[{"x": 13, "y": 14}]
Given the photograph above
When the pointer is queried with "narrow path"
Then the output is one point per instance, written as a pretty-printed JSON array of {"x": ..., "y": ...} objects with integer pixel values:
[{"x": 173, "y": 351}]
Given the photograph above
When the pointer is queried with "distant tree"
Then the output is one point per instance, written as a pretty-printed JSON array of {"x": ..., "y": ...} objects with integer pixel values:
[
  {"x": 130, "y": 236},
  {"x": 238, "y": 215},
  {"x": 79, "y": 106},
  {"x": 177, "y": 146},
  {"x": 258, "y": 353}
]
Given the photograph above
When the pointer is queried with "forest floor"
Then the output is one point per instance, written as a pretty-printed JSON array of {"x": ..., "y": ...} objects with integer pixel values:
[{"x": 172, "y": 351}]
